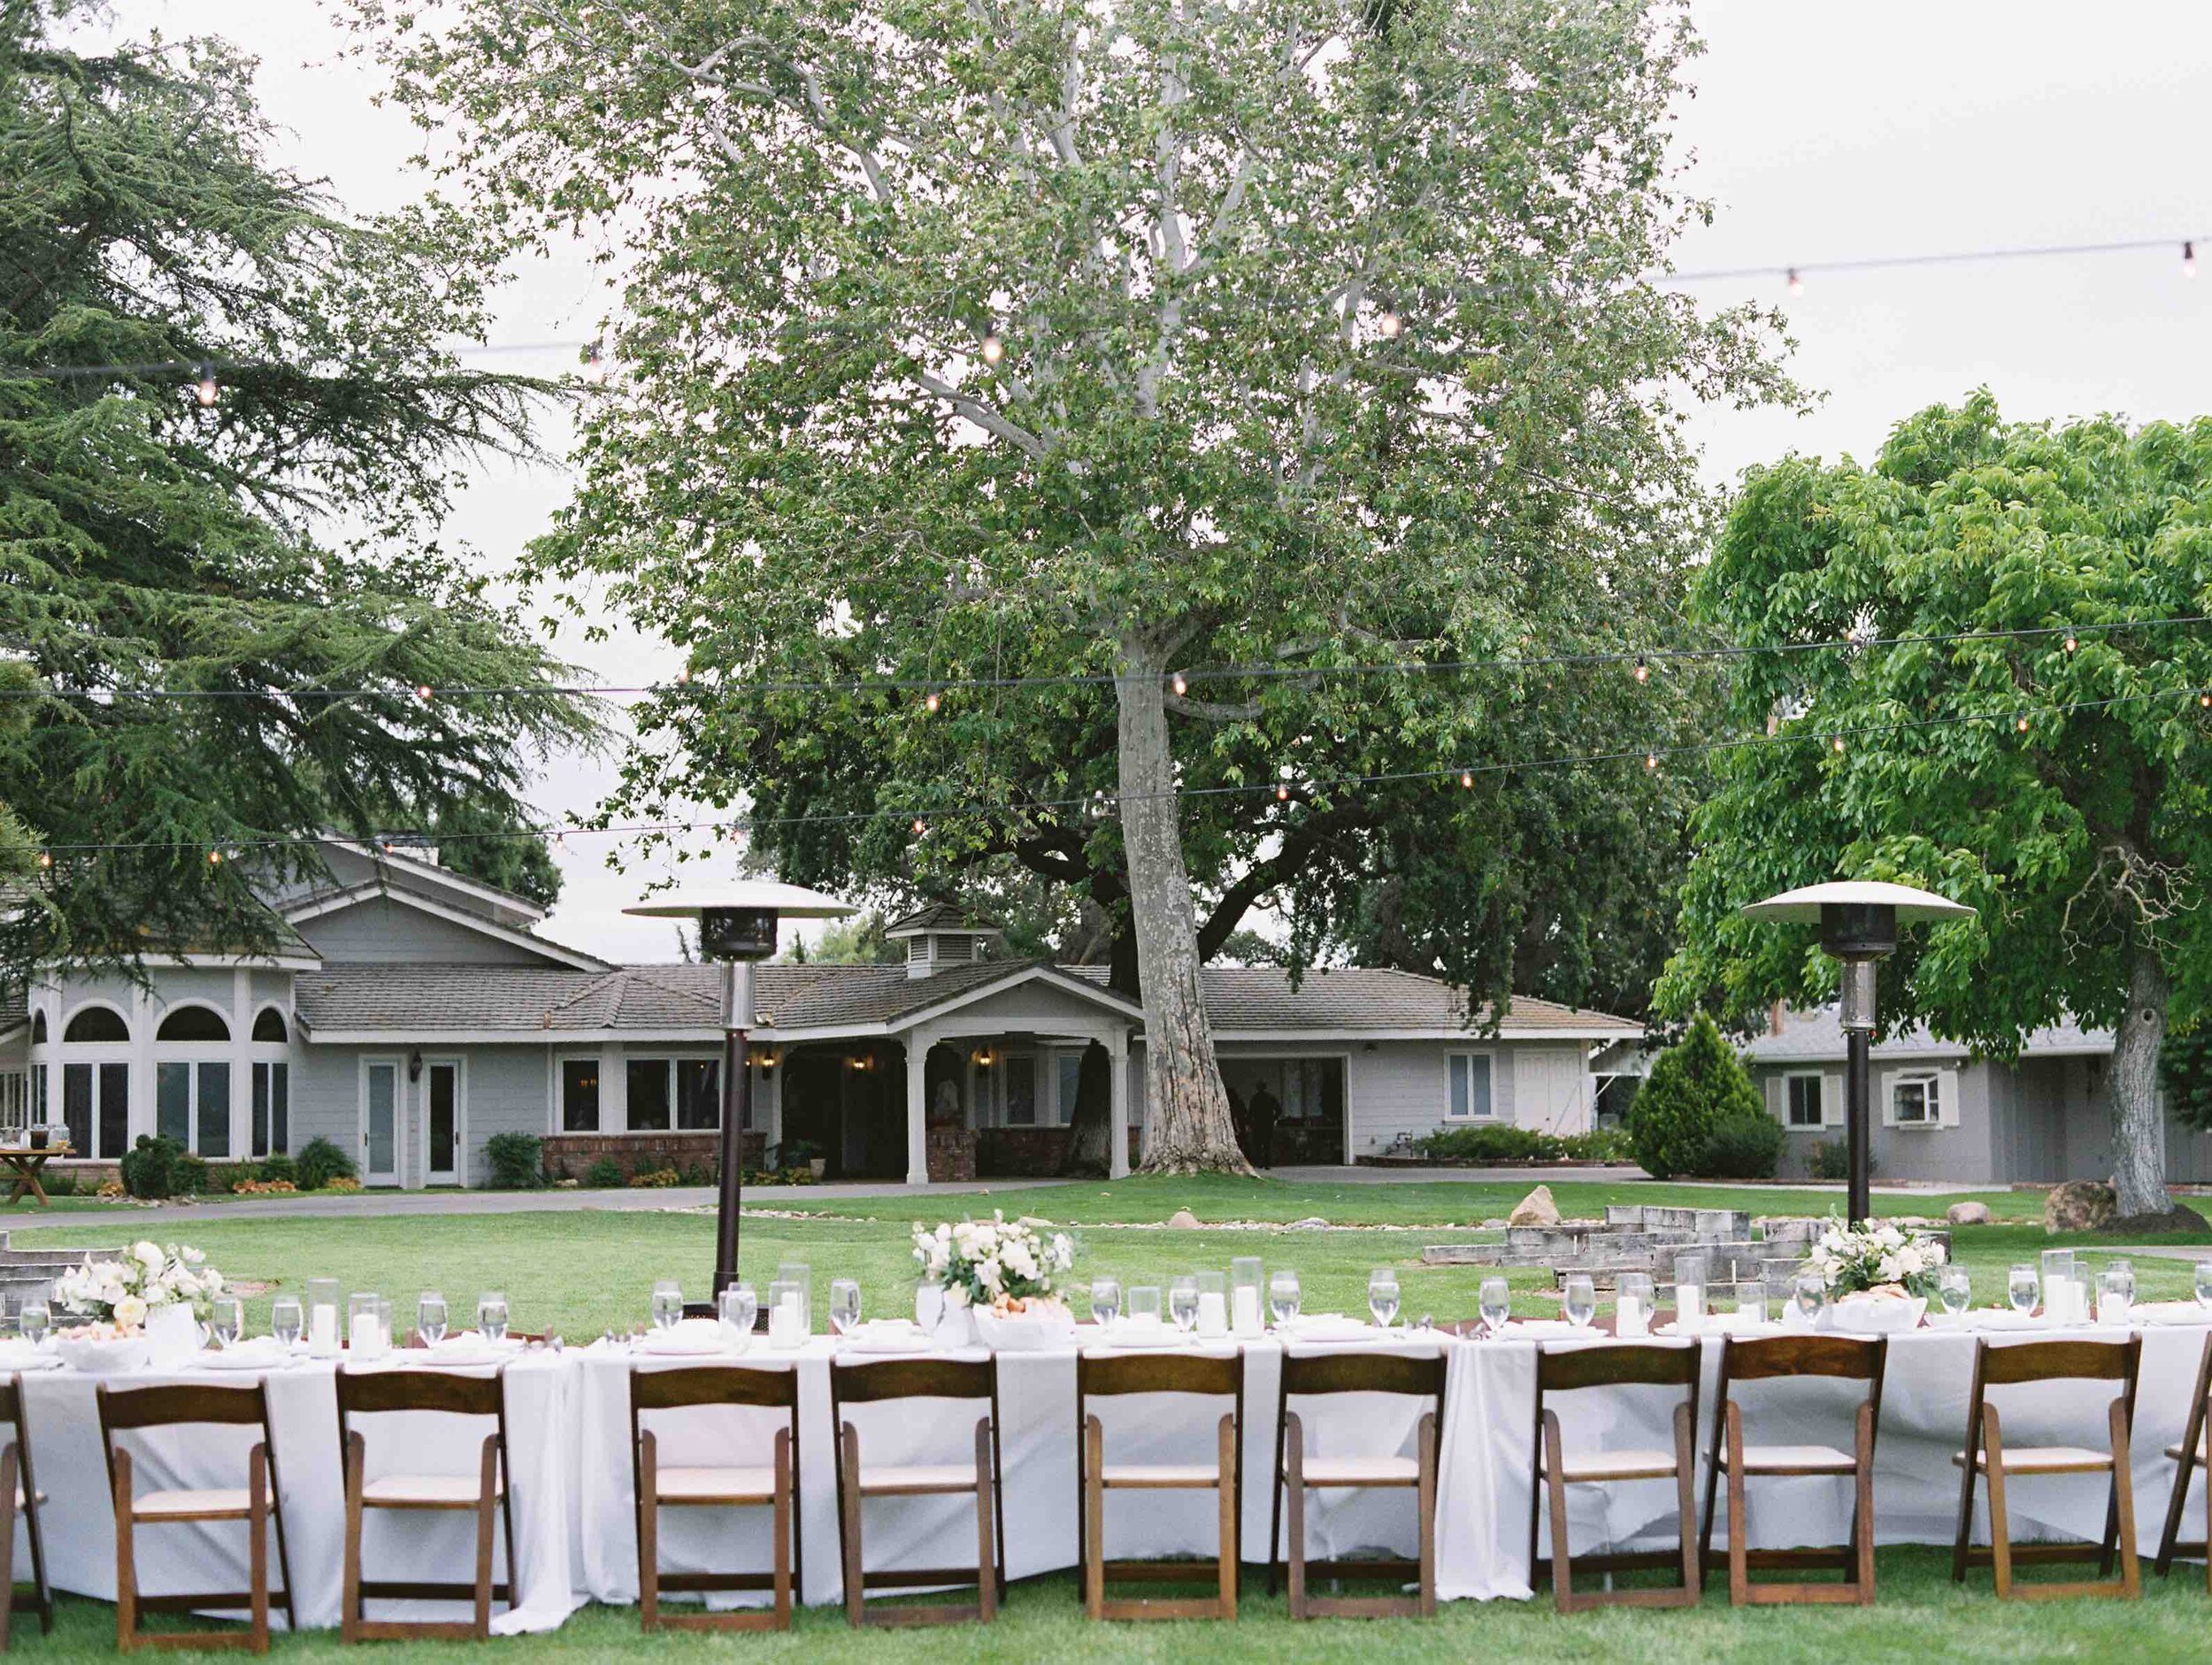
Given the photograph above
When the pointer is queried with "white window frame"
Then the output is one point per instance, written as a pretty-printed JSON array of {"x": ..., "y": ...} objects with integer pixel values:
[
  {"x": 459, "y": 1064},
  {"x": 1063, "y": 1104},
  {"x": 1931, "y": 1083},
  {"x": 1789, "y": 1110},
  {"x": 192, "y": 1057},
  {"x": 1489, "y": 1057},
  {"x": 371, "y": 1063},
  {"x": 672, "y": 1061},
  {"x": 561, "y": 1061}
]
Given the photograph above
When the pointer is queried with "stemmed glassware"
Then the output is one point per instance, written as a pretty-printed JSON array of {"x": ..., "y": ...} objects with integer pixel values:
[
  {"x": 1182, "y": 1302},
  {"x": 2204, "y": 1285},
  {"x": 844, "y": 1307},
  {"x": 1582, "y": 1301},
  {"x": 431, "y": 1317},
  {"x": 739, "y": 1308},
  {"x": 1382, "y": 1297},
  {"x": 668, "y": 1303},
  {"x": 285, "y": 1319},
  {"x": 1497, "y": 1304},
  {"x": 2024, "y": 1288},
  {"x": 33, "y": 1320},
  {"x": 1105, "y": 1299},
  {"x": 1283, "y": 1297},
  {"x": 1955, "y": 1289},
  {"x": 1810, "y": 1293},
  {"x": 491, "y": 1315},
  {"x": 227, "y": 1317}
]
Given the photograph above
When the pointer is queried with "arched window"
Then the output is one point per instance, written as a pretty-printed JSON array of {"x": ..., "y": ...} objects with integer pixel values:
[
  {"x": 97, "y": 1024},
  {"x": 270, "y": 1026},
  {"x": 193, "y": 1023},
  {"x": 38, "y": 1029}
]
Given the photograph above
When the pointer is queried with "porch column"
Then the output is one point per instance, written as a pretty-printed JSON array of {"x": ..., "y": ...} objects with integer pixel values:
[
  {"x": 1118, "y": 1107},
  {"x": 916, "y": 1110}
]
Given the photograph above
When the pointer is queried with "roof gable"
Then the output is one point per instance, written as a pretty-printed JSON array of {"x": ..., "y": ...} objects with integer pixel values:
[{"x": 448, "y": 933}]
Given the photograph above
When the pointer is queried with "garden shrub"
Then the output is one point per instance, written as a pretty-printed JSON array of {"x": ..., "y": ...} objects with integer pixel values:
[
  {"x": 1697, "y": 1087},
  {"x": 149, "y": 1169},
  {"x": 659, "y": 1179},
  {"x": 195, "y": 1177},
  {"x": 1745, "y": 1147},
  {"x": 1600, "y": 1144},
  {"x": 516, "y": 1160},
  {"x": 604, "y": 1175},
  {"x": 1831, "y": 1159},
  {"x": 319, "y": 1163},
  {"x": 1496, "y": 1141},
  {"x": 277, "y": 1169},
  {"x": 58, "y": 1184}
]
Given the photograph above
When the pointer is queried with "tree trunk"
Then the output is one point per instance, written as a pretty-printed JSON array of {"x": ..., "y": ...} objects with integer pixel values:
[
  {"x": 2138, "y": 1132},
  {"x": 1187, "y": 1128}
]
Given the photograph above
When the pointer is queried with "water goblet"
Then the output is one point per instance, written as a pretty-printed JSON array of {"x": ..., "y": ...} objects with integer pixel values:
[
  {"x": 285, "y": 1319},
  {"x": 668, "y": 1303},
  {"x": 1283, "y": 1297},
  {"x": 1182, "y": 1302},
  {"x": 844, "y": 1307},
  {"x": 1497, "y": 1304},
  {"x": 491, "y": 1315},
  {"x": 227, "y": 1316},
  {"x": 1582, "y": 1301},
  {"x": 2204, "y": 1285},
  {"x": 1955, "y": 1289},
  {"x": 2024, "y": 1287},
  {"x": 431, "y": 1317},
  {"x": 1105, "y": 1299},
  {"x": 1382, "y": 1297},
  {"x": 739, "y": 1308},
  {"x": 34, "y": 1321},
  {"x": 1810, "y": 1293}
]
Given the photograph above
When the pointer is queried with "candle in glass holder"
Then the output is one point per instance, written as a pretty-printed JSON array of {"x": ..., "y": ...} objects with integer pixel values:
[
  {"x": 1213, "y": 1306},
  {"x": 1247, "y": 1278}
]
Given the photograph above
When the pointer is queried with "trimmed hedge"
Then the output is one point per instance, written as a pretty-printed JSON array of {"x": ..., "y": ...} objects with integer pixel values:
[
  {"x": 1501, "y": 1142},
  {"x": 1697, "y": 1109},
  {"x": 516, "y": 1160}
]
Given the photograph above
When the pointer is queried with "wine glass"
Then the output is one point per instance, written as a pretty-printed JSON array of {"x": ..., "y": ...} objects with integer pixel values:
[
  {"x": 668, "y": 1303},
  {"x": 491, "y": 1315},
  {"x": 430, "y": 1318},
  {"x": 1382, "y": 1297},
  {"x": 285, "y": 1319},
  {"x": 1182, "y": 1302},
  {"x": 32, "y": 1321},
  {"x": 2204, "y": 1285},
  {"x": 2024, "y": 1288},
  {"x": 227, "y": 1315},
  {"x": 1810, "y": 1291},
  {"x": 1582, "y": 1301},
  {"x": 844, "y": 1307},
  {"x": 1283, "y": 1297},
  {"x": 1105, "y": 1299},
  {"x": 1497, "y": 1304},
  {"x": 740, "y": 1310},
  {"x": 1955, "y": 1290}
]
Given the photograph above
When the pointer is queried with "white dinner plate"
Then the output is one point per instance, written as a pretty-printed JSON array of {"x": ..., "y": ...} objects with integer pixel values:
[
  {"x": 13, "y": 1359},
  {"x": 2007, "y": 1320},
  {"x": 887, "y": 1335},
  {"x": 1328, "y": 1326},
  {"x": 1144, "y": 1336},
  {"x": 442, "y": 1356},
  {"x": 246, "y": 1356}
]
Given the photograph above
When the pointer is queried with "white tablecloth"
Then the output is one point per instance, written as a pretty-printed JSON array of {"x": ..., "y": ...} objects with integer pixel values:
[{"x": 1483, "y": 1504}]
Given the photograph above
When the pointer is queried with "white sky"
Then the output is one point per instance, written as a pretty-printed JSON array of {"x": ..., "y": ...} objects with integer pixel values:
[{"x": 1828, "y": 132}]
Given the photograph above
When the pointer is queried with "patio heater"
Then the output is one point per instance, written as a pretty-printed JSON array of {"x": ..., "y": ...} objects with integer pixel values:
[
  {"x": 737, "y": 925},
  {"x": 1858, "y": 920}
]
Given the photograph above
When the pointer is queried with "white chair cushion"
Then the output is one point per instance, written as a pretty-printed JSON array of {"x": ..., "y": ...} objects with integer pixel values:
[
  {"x": 2028, "y": 1459},
  {"x": 153, "y": 1504},
  {"x": 1160, "y": 1473},
  {"x": 1821, "y": 1459},
  {"x": 918, "y": 1477},
  {"x": 1625, "y": 1464},
  {"x": 400, "y": 1490},
  {"x": 695, "y": 1486},
  {"x": 1362, "y": 1471}
]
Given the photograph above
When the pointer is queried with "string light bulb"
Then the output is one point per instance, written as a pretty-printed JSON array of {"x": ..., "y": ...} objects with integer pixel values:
[
  {"x": 1282, "y": 792},
  {"x": 683, "y": 675},
  {"x": 930, "y": 700},
  {"x": 2188, "y": 260},
  {"x": 46, "y": 858},
  {"x": 921, "y": 827},
  {"x": 2071, "y": 643},
  {"x": 2205, "y": 700},
  {"x": 1651, "y": 761},
  {"x": 1837, "y": 742},
  {"x": 560, "y": 837},
  {"x": 1180, "y": 683},
  {"x": 993, "y": 349},
  {"x": 423, "y": 692},
  {"x": 1467, "y": 779},
  {"x": 215, "y": 858},
  {"x": 1643, "y": 671},
  {"x": 1797, "y": 284},
  {"x": 207, "y": 390},
  {"x": 2021, "y": 723},
  {"x": 1391, "y": 325}
]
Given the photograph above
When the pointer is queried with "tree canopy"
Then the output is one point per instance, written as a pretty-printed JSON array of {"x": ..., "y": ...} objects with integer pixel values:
[
  {"x": 275, "y": 537},
  {"x": 2057, "y": 783},
  {"x": 1256, "y": 342}
]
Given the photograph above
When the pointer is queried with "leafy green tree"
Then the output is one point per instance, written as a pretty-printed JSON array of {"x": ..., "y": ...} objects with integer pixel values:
[
  {"x": 278, "y": 540},
  {"x": 481, "y": 842},
  {"x": 1696, "y": 1094},
  {"x": 858, "y": 941},
  {"x": 2056, "y": 783},
  {"x": 986, "y": 340}
]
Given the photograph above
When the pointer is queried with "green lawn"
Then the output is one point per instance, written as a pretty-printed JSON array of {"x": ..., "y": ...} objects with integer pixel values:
[
  {"x": 580, "y": 1272},
  {"x": 1920, "y": 1615}
]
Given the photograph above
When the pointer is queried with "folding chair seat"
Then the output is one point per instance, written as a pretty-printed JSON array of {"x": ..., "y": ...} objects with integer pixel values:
[{"x": 1107, "y": 1375}]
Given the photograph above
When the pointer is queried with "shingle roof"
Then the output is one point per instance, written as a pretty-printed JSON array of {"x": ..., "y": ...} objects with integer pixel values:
[
  {"x": 938, "y": 915},
  {"x": 525, "y": 999},
  {"x": 1817, "y": 1036}
]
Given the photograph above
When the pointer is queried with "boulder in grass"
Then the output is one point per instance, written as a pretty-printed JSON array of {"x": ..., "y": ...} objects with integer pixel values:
[
  {"x": 1536, "y": 1208},
  {"x": 1967, "y": 1213},
  {"x": 1183, "y": 1220},
  {"x": 2079, "y": 1205}
]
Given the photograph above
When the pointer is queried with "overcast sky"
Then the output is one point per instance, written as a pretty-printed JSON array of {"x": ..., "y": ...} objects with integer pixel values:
[{"x": 1829, "y": 132}]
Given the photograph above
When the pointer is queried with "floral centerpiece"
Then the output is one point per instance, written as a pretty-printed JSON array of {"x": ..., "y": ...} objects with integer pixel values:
[
  {"x": 125, "y": 1293},
  {"x": 1893, "y": 1273},
  {"x": 1003, "y": 1271}
]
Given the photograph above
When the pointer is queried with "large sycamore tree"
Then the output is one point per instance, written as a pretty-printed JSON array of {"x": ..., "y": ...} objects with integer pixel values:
[
  {"x": 2057, "y": 783},
  {"x": 258, "y": 551},
  {"x": 1111, "y": 339}
]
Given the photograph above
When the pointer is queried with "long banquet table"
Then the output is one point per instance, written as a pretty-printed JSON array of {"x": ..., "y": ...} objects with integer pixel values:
[{"x": 568, "y": 1428}]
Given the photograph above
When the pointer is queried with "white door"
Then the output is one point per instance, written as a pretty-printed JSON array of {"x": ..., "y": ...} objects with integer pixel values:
[
  {"x": 380, "y": 1122},
  {"x": 443, "y": 1123}
]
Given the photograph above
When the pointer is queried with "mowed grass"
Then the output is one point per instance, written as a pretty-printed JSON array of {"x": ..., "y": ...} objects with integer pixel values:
[
  {"x": 1920, "y": 1615},
  {"x": 580, "y": 1272}
]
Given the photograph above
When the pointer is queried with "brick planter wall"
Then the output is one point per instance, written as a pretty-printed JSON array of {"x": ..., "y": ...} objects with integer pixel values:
[
  {"x": 951, "y": 1154},
  {"x": 1025, "y": 1153},
  {"x": 570, "y": 1155}
]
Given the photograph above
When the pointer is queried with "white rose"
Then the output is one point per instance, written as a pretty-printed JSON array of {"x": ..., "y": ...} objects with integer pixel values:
[
  {"x": 192, "y": 1256},
  {"x": 130, "y": 1312},
  {"x": 149, "y": 1256}
]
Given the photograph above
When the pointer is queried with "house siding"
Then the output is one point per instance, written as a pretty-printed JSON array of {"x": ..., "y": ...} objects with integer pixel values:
[{"x": 378, "y": 931}]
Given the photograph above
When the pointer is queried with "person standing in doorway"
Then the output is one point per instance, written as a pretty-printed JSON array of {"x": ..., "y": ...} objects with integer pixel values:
[{"x": 1265, "y": 1111}]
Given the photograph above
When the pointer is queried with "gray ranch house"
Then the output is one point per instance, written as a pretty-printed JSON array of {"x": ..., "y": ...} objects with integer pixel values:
[
  {"x": 1941, "y": 1113},
  {"x": 409, "y": 1014}
]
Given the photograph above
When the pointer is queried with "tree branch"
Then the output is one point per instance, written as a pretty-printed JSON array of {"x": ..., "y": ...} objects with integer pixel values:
[{"x": 984, "y": 416}]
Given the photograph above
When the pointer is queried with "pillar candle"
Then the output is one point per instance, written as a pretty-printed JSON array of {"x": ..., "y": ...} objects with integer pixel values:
[
  {"x": 1213, "y": 1314},
  {"x": 1247, "y": 1310}
]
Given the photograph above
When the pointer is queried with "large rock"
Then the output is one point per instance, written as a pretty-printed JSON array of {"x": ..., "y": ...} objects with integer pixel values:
[
  {"x": 2079, "y": 1205},
  {"x": 1536, "y": 1208},
  {"x": 1967, "y": 1213},
  {"x": 1183, "y": 1220}
]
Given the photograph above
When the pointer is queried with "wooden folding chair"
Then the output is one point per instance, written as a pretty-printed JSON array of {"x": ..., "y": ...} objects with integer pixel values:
[
  {"x": 1098, "y": 1377},
  {"x": 1828, "y": 1357},
  {"x": 1987, "y": 1454},
  {"x": 127, "y": 1410},
  {"x": 486, "y": 1494},
  {"x": 19, "y": 1492},
  {"x": 2188, "y": 1457},
  {"x": 721, "y": 1486},
  {"x": 909, "y": 1380},
  {"x": 1580, "y": 1369},
  {"x": 1312, "y": 1376}
]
